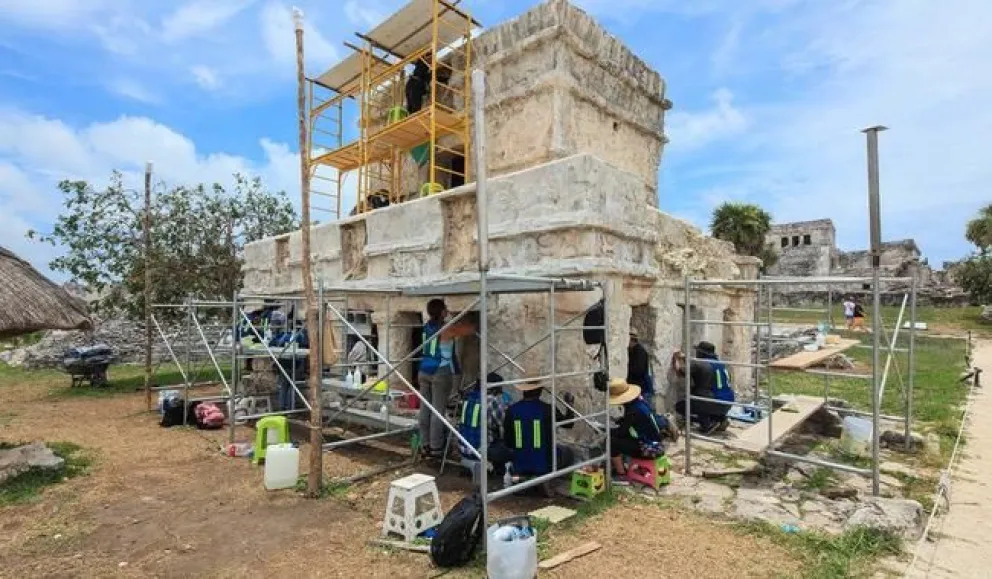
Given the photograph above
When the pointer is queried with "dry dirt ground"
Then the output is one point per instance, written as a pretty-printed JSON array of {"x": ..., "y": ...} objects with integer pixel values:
[{"x": 166, "y": 503}]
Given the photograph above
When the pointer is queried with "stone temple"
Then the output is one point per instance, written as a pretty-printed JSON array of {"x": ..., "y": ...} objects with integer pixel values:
[{"x": 575, "y": 135}]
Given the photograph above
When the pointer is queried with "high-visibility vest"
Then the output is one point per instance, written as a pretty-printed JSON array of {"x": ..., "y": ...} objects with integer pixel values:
[
  {"x": 722, "y": 389},
  {"x": 431, "y": 355},
  {"x": 530, "y": 450},
  {"x": 646, "y": 437},
  {"x": 470, "y": 418}
]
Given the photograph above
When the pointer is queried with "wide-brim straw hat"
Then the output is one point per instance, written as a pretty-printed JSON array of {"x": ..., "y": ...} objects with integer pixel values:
[
  {"x": 622, "y": 393},
  {"x": 533, "y": 383}
]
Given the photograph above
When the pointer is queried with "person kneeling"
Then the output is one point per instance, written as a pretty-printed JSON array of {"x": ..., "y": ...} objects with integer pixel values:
[
  {"x": 637, "y": 433},
  {"x": 527, "y": 432},
  {"x": 469, "y": 425}
]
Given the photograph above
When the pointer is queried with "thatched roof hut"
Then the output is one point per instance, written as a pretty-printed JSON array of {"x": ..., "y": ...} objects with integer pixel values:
[{"x": 30, "y": 302}]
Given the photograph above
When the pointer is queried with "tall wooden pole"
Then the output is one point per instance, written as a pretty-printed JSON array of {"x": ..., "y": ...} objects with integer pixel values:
[
  {"x": 316, "y": 437},
  {"x": 147, "y": 234}
]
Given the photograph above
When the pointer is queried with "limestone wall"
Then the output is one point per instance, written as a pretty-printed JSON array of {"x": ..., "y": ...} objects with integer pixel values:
[
  {"x": 804, "y": 249},
  {"x": 557, "y": 84}
]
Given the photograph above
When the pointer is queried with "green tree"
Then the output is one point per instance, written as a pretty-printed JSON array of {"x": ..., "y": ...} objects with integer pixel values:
[
  {"x": 198, "y": 236},
  {"x": 745, "y": 225},
  {"x": 979, "y": 229},
  {"x": 975, "y": 273}
]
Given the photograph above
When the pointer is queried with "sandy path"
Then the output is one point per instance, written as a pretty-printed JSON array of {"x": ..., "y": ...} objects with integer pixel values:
[{"x": 963, "y": 546}]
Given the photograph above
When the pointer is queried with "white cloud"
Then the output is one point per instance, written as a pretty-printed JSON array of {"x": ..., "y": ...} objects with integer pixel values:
[
  {"x": 205, "y": 77},
  {"x": 36, "y": 152},
  {"x": 835, "y": 68},
  {"x": 692, "y": 130},
  {"x": 134, "y": 90},
  {"x": 198, "y": 17},
  {"x": 360, "y": 13},
  {"x": 280, "y": 40},
  {"x": 54, "y": 14}
]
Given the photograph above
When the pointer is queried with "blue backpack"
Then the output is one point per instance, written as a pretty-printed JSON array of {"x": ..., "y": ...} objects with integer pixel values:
[{"x": 722, "y": 389}]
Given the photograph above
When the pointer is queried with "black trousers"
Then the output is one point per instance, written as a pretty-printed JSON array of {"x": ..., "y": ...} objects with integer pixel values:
[
  {"x": 704, "y": 412},
  {"x": 415, "y": 91}
]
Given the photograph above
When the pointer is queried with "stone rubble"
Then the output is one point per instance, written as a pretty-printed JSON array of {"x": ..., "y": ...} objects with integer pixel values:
[{"x": 18, "y": 460}]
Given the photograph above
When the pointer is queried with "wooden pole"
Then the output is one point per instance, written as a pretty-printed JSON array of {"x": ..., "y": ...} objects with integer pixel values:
[
  {"x": 147, "y": 235},
  {"x": 313, "y": 380}
]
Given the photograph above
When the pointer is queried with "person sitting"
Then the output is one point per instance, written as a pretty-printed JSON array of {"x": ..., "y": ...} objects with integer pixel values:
[
  {"x": 527, "y": 432},
  {"x": 637, "y": 433},
  {"x": 469, "y": 421},
  {"x": 708, "y": 379}
]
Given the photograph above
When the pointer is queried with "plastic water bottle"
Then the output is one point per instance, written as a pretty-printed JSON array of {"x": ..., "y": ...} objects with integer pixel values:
[
  {"x": 507, "y": 475},
  {"x": 384, "y": 412},
  {"x": 349, "y": 380},
  {"x": 358, "y": 378}
]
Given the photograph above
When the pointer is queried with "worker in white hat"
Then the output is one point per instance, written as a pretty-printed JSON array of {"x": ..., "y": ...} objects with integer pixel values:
[{"x": 637, "y": 433}]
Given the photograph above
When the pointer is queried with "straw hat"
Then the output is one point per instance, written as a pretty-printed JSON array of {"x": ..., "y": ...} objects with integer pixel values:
[
  {"x": 533, "y": 383},
  {"x": 621, "y": 392}
]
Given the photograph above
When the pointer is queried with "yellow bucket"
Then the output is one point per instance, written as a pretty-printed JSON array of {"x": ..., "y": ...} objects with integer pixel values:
[
  {"x": 430, "y": 188},
  {"x": 380, "y": 387}
]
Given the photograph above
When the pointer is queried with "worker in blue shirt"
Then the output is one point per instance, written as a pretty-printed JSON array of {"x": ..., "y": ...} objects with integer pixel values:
[{"x": 527, "y": 431}]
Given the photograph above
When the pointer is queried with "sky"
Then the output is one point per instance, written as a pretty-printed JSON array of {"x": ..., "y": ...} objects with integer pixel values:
[{"x": 769, "y": 99}]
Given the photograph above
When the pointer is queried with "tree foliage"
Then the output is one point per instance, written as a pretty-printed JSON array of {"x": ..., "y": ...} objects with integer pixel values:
[
  {"x": 198, "y": 236},
  {"x": 745, "y": 225},
  {"x": 975, "y": 273},
  {"x": 979, "y": 229}
]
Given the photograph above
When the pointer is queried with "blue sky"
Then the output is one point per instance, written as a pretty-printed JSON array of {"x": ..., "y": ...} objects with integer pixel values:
[{"x": 769, "y": 98}]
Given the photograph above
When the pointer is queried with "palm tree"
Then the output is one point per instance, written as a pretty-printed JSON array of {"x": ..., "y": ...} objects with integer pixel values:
[
  {"x": 743, "y": 224},
  {"x": 979, "y": 229}
]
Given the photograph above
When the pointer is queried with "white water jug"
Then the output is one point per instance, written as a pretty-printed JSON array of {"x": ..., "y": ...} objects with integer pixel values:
[{"x": 282, "y": 466}]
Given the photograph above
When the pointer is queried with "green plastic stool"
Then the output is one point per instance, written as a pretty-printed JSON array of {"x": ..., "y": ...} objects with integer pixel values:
[
  {"x": 262, "y": 428},
  {"x": 587, "y": 484}
]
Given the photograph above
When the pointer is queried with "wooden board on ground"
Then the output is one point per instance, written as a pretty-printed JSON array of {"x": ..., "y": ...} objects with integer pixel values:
[
  {"x": 553, "y": 514},
  {"x": 803, "y": 360},
  {"x": 784, "y": 421},
  {"x": 580, "y": 551}
]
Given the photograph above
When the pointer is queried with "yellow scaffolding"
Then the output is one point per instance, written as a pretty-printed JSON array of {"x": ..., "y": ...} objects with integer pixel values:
[{"x": 374, "y": 78}]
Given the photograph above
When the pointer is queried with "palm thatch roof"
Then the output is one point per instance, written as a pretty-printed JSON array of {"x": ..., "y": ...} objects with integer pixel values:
[{"x": 30, "y": 302}]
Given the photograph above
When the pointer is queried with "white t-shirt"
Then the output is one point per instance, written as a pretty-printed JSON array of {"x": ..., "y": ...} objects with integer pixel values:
[{"x": 849, "y": 309}]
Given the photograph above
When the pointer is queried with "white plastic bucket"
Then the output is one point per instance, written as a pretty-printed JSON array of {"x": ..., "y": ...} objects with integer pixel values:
[
  {"x": 282, "y": 466},
  {"x": 856, "y": 436},
  {"x": 510, "y": 559}
]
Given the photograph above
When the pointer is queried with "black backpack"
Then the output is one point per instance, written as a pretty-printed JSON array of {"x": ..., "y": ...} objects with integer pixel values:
[
  {"x": 459, "y": 534},
  {"x": 595, "y": 317}
]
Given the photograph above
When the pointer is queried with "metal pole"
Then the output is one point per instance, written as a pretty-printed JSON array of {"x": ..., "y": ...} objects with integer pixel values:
[
  {"x": 830, "y": 327},
  {"x": 911, "y": 363},
  {"x": 554, "y": 389},
  {"x": 189, "y": 367},
  {"x": 874, "y": 210},
  {"x": 147, "y": 234},
  {"x": 482, "y": 213},
  {"x": 768, "y": 372},
  {"x": 607, "y": 295},
  {"x": 686, "y": 327},
  {"x": 235, "y": 370},
  {"x": 388, "y": 332}
]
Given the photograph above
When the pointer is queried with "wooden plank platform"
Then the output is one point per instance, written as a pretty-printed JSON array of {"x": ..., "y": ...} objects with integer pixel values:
[
  {"x": 803, "y": 360},
  {"x": 404, "y": 135},
  {"x": 755, "y": 438}
]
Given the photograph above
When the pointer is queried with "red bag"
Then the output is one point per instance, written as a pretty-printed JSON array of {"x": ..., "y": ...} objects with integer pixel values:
[{"x": 209, "y": 416}]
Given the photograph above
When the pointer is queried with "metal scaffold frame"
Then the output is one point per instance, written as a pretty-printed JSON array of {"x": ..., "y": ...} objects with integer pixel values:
[
  {"x": 763, "y": 323},
  {"x": 374, "y": 77}
]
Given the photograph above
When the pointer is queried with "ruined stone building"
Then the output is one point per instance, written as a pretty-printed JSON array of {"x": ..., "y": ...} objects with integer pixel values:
[{"x": 575, "y": 130}]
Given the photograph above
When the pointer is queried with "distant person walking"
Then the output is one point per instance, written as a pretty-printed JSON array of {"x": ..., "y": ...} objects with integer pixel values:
[
  {"x": 849, "y": 306},
  {"x": 859, "y": 318}
]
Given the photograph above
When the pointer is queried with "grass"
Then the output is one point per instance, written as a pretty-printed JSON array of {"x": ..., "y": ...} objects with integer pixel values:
[
  {"x": 956, "y": 319},
  {"x": 937, "y": 391},
  {"x": 820, "y": 479},
  {"x": 545, "y": 530},
  {"x": 28, "y": 485},
  {"x": 328, "y": 489},
  {"x": 851, "y": 554},
  {"x": 122, "y": 379}
]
